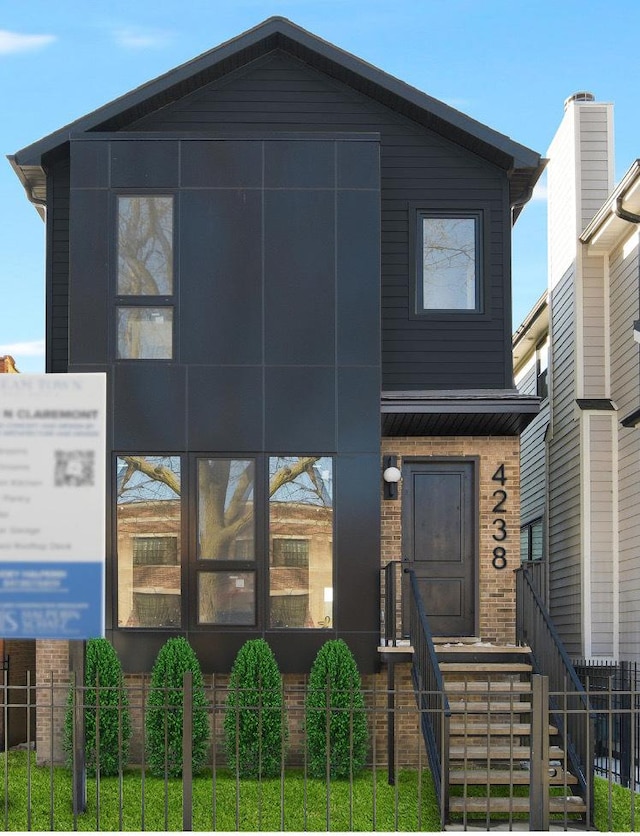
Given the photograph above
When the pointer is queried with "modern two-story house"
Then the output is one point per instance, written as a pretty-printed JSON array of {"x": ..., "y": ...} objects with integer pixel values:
[{"x": 295, "y": 271}]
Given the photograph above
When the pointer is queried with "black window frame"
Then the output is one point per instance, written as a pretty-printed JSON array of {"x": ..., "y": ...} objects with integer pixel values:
[
  {"x": 447, "y": 209},
  {"x": 121, "y": 300},
  {"x": 542, "y": 375},
  {"x": 527, "y": 530},
  {"x": 191, "y": 565}
]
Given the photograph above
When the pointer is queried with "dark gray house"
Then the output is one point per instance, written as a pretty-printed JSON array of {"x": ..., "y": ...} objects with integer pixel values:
[{"x": 292, "y": 268}]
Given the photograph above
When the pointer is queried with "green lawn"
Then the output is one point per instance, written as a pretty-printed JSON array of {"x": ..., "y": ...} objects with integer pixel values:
[{"x": 371, "y": 804}]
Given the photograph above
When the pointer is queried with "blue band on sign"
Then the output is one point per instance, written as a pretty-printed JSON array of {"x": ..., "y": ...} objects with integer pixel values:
[{"x": 51, "y": 600}]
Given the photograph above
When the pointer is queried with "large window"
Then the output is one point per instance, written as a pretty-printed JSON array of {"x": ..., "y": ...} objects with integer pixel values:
[
  {"x": 260, "y": 548},
  {"x": 144, "y": 282},
  {"x": 448, "y": 262},
  {"x": 149, "y": 522},
  {"x": 226, "y": 541},
  {"x": 300, "y": 541}
]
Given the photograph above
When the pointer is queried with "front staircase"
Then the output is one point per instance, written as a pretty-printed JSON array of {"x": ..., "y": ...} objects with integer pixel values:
[{"x": 490, "y": 760}]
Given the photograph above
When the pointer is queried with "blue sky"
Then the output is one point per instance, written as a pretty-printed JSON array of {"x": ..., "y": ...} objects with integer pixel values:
[{"x": 507, "y": 63}]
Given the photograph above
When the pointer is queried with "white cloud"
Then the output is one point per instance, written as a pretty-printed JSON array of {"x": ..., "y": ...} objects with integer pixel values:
[
  {"x": 12, "y": 42},
  {"x": 132, "y": 37},
  {"x": 34, "y": 348}
]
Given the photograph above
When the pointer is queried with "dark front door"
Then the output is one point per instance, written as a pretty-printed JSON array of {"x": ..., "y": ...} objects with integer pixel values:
[{"x": 439, "y": 541}]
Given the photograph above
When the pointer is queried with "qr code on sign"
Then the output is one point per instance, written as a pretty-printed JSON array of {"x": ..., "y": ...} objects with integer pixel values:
[{"x": 74, "y": 467}]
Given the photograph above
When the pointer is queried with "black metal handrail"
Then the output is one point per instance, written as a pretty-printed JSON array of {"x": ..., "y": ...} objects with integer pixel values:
[
  {"x": 572, "y": 715},
  {"x": 390, "y": 609},
  {"x": 432, "y": 700}
]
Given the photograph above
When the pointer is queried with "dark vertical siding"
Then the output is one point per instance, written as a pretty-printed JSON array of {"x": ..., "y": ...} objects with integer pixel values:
[
  {"x": 279, "y": 93},
  {"x": 275, "y": 244},
  {"x": 58, "y": 267}
]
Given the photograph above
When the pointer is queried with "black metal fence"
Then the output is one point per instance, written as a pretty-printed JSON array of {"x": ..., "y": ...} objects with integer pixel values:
[
  {"x": 37, "y": 792},
  {"x": 614, "y": 691}
]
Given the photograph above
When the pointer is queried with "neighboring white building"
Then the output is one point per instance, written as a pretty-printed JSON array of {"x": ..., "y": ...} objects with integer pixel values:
[{"x": 580, "y": 458}]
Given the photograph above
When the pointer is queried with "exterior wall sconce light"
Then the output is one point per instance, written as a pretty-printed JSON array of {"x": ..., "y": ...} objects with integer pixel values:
[{"x": 391, "y": 476}]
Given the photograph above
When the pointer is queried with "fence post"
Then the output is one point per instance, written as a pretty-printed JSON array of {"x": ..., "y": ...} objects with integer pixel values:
[
  {"x": 624, "y": 726},
  {"x": 187, "y": 746},
  {"x": 77, "y": 656},
  {"x": 539, "y": 765}
]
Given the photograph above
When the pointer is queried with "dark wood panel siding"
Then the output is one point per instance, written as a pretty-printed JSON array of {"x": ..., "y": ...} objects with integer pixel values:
[
  {"x": 57, "y": 343},
  {"x": 278, "y": 93}
]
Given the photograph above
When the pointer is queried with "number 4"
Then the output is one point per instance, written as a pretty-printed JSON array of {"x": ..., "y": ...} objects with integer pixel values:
[{"x": 499, "y": 476}]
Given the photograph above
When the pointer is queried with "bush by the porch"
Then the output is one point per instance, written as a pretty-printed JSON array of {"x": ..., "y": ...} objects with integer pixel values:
[{"x": 335, "y": 714}]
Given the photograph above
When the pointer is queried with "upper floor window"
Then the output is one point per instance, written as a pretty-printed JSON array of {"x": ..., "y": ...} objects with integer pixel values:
[
  {"x": 542, "y": 369},
  {"x": 145, "y": 277},
  {"x": 448, "y": 268}
]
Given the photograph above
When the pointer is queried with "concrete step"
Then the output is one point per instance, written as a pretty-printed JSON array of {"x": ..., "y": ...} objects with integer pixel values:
[{"x": 473, "y": 686}]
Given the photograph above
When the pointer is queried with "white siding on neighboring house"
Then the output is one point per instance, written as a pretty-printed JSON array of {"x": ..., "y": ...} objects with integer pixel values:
[
  {"x": 596, "y": 157},
  {"x": 595, "y": 349},
  {"x": 625, "y": 386},
  {"x": 599, "y": 543}
]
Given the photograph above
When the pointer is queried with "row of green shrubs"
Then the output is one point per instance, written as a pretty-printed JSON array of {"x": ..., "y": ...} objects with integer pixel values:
[{"x": 255, "y": 723}]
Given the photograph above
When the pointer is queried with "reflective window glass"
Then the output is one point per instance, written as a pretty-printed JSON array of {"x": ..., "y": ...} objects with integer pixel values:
[
  {"x": 300, "y": 541},
  {"x": 145, "y": 246},
  {"x": 148, "y": 522}
]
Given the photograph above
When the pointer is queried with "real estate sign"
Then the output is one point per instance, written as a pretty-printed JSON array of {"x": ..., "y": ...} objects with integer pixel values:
[{"x": 52, "y": 505}]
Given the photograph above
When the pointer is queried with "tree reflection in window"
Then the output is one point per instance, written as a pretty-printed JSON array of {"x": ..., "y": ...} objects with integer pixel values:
[
  {"x": 145, "y": 246},
  {"x": 149, "y": 523},
  {"x": 449, "y": 269},
  {"x": 300, "y": 513}
]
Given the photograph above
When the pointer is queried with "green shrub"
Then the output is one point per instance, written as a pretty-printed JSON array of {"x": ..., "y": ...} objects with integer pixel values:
[
  {"x": 106, "y": 716},
  {"x": 164, "y": 715},
  {"x": 255, "y": 727},
  {"x": 335, "y": 714}
]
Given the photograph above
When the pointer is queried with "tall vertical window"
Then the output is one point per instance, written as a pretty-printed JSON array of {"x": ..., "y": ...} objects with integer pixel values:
[
  {"x": 449, "y": 262},
  {"x": 148, "y": 536},
  {"x": 542, "y": 369},
  {"x": 226, "y": 541},
  {"x": 145, "y": 282},
  {"x": 300, "y": 541},
  {"x": 532, "y": 541}
]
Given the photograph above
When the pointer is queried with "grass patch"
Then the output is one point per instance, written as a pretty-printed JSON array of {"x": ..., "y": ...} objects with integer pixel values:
[
  {"x": 224, "y": 804},
  {"x": 612, "y": 807}
]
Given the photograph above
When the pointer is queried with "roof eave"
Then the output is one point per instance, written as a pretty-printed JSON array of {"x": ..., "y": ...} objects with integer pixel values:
[{"x": 280, "y": 32}]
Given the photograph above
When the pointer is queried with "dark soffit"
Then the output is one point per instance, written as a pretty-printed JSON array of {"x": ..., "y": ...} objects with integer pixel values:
[
  {"x": 452, "y": 413},
  {"x": 523, "y": 165}
]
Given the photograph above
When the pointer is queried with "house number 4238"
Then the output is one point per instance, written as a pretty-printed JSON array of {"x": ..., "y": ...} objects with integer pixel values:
[{"x": 500, "y": 525}]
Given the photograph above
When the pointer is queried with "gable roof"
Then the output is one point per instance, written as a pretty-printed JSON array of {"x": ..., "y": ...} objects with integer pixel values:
[{"x": 523, "y": 165}]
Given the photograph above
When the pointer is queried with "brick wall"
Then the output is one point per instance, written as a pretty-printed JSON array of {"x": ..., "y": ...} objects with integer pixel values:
[
  {"x": 52, "y": 678},
  {"x": 497, "y": 602}
]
